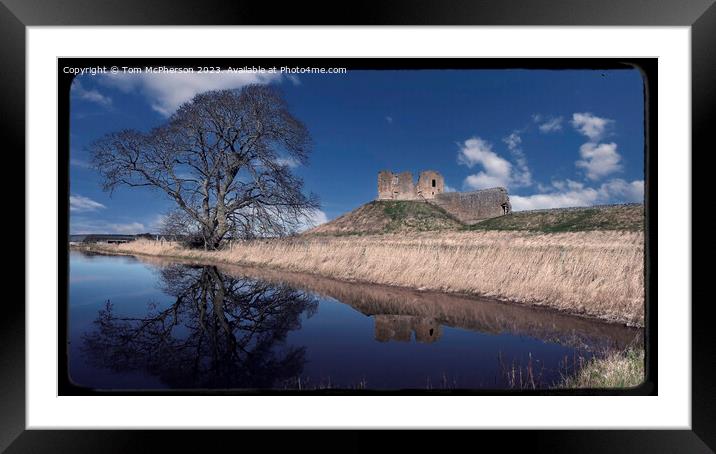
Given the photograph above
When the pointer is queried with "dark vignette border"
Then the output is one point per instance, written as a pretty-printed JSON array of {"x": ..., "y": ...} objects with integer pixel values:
[
  {"x": 647, "y": 67},
  {"x": 15, "y": 15}
]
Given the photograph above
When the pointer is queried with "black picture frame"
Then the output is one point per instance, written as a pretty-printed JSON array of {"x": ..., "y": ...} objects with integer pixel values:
[
  {"x": 700, "y": 15},
  {"x": 647, "y": 67}
]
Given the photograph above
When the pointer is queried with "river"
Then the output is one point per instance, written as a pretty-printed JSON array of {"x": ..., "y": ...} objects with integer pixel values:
[{"x": 137, "y": 324}]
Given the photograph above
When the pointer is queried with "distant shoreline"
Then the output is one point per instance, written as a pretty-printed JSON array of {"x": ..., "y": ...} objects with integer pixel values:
[{"x": 597, "y": 275}]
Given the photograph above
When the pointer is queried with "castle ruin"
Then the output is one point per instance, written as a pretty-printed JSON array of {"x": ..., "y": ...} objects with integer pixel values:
[
  {"x": 400, "y": 186},
  {"x": 468, "y": 207}
]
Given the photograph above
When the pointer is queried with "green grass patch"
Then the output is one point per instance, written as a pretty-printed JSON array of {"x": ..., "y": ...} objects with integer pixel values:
[{"x": 416, "y": 216}]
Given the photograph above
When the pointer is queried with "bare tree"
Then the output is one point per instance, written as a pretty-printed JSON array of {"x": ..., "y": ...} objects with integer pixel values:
[
  {"x": 220, "y": 331},
  {"x": 223, "y": 159}
]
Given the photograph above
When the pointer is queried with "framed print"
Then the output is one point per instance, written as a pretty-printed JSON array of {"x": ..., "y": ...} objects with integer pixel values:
[
  {"x": 417, "y": 324},
  {"x": 359, "y": 227}
]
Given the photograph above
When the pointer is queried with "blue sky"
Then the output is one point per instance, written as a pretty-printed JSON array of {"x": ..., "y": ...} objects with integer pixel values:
[{"x": 553, "y": 138}]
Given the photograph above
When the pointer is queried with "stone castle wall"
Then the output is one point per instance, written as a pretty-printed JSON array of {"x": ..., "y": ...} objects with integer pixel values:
[
  {"x": 400, "y": 186},
  {"x": 396, "y": 186},
  {"x": 475, "y": 206},
  {"x": 430, "y": 184},
  {"x": 467, "y": 207}
]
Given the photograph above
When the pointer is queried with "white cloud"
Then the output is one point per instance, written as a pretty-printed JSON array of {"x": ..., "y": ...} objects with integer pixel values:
[
  {"x": 313, "y": 219},
  {"x": 497, "y": 170},
  {"x": 389, "y": 119},
  {"x": 590, "y": 125},
  {"x": 585, "y": 197},
  {"x": 513, "y": 141},
  {"x": 599, "y": 160},
  {"x": 167, "y": 91},
  {"x": 450, "y": 189},
  {"x": 521, "y": 175},
  {"x": 484, "y": 181},
  {"x": 550, "y": 125},
  {"x": 80, "y": 225},
  {"x": 80, "y": 163},
  {"x": 289, "y": 162},
  {"x": 623, "y": 190},
  {"x": 567, "y": 184},
  {"x": 91, "y": 95},
  {"x": 157, "y": 222},
  {"x": 128, "y": 229},
  {"x": 81, "y": 204},
  {"x": 570, "y": 193}
]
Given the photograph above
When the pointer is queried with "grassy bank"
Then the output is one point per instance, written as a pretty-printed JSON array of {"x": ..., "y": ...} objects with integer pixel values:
[
  {"x": 596, "y": 274},
  {"x": 628, "y": 217},
  {"x": 617, "y": 370}
]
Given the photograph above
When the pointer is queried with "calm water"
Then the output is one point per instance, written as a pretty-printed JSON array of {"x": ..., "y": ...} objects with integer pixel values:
[{"x": 153, "y": 324}]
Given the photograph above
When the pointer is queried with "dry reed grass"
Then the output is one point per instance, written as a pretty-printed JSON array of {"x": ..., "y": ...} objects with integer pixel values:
[
  {"x": 617, "y": 370},
  {"x": 598, "y": 274}
]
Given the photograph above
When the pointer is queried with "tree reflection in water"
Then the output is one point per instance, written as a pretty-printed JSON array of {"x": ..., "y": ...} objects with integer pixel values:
[{"x": 220, "y": 332}]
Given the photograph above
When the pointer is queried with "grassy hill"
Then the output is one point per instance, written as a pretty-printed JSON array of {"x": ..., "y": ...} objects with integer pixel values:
[
  {"x": 605, "y": 217},
  {"x": 413, "y": 216},
  {"x": 388, "y": 216}
]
